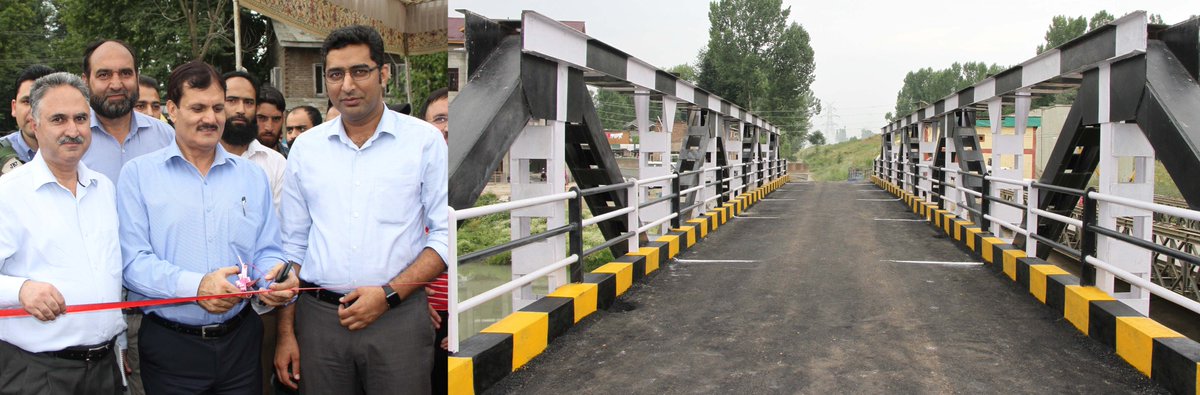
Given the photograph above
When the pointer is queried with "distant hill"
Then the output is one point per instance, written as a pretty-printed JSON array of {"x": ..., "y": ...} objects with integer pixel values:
[{"x": 833, "y": 162}]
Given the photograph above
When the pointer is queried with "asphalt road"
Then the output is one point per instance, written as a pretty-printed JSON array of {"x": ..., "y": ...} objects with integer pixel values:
[{"x": 808, "y": 298}]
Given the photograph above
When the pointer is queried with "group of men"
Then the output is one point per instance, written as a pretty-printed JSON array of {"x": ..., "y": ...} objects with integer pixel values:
[{"x": 209, "y": 211}]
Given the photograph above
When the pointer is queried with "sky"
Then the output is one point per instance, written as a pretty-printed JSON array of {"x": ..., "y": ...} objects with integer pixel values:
[{"x": 863, "y": 49}]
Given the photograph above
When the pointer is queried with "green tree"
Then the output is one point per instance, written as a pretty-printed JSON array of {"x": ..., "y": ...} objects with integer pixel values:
[
  {"x": 1100, "y": 18},
  {"x": 614, "y": 108},
  {"x": 24, "y": 40},
  {"x": 684, "y": 71},
  {"x": 1061, "y": 30},
  {"x": 926, "y": 86},
  {"x": 165, "y": 33},
  {"x": 759, "y": 61},
  {"x": 816, "y": 138},
  {"x": 428, "y": 74}
]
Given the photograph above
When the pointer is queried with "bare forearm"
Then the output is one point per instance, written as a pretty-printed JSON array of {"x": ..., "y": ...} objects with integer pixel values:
[
  {"x": 287, "y": 317},
  {"x": 424, "y": 269}
]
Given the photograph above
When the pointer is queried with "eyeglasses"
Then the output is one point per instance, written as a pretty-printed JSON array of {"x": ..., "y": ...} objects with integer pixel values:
[{"x": 359, "y": 73}]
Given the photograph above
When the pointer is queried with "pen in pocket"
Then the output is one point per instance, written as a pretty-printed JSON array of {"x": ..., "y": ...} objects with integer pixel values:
[{"x": 243, "y": 206}]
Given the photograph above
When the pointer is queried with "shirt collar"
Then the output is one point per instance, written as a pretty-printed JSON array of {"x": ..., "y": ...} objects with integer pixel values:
[
  {"x": 43, "y": 176},
  {"x": 387, "y": 124},
  {"x": 134, "y": 125},
  {"x": 23, "y": 150},
  {"x": 172, "y": 151},
  {"x": 255, "y": 148}
]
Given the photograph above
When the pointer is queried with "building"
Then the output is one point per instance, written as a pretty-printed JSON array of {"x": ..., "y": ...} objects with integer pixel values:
[{"x": 300, "y": 71}]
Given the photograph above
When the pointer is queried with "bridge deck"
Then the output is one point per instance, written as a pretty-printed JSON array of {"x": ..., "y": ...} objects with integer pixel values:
[{"x": 812, "y": 302}]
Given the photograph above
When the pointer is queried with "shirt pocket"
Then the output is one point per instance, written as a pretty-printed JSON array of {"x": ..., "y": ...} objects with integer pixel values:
[
  {"x": 395, "y": 197},
  {"x": 243, "y": 233}
]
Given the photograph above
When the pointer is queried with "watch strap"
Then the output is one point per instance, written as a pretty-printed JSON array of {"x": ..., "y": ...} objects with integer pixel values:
[{"x": 393, "y": 298}]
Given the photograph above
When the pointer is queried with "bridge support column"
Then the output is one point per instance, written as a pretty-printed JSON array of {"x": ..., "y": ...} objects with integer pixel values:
[
  {"x": 654, "y": 157},
  {"x": 951, "y": 197},
  {"x": 1126, "y": 169},
  {"x": 925, "y": 158},
  {"x": 538, "y": 160},
  {"x": 1008, "y": 159}
]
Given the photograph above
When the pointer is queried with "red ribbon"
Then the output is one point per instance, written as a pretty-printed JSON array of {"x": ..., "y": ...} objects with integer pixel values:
[{"x": 80, "y": 308}]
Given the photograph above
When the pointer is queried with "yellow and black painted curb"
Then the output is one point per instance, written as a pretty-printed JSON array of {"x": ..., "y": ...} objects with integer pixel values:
[
  {"x": 1166, "y": 356},
  {"x": 502, "y": 348}
]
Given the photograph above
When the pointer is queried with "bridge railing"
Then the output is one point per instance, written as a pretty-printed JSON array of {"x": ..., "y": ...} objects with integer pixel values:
[
  {"x": 1088, "y": 228},
  {"x": 576, "y": 255}
]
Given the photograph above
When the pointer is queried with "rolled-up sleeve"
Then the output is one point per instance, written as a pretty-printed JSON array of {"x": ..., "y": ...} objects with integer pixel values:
[{"x": 433, "y": 197}]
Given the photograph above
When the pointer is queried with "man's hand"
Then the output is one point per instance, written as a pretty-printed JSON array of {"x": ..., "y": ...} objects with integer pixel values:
[
  {"x": 287, "y": 356},
  {"x": 366, "y": 305},
  {"x": 42, "y": 300},
  {"x": 217, "y": 283},
  {"x": 435, "y": 317},
  {"x": 282, "y": 292}
]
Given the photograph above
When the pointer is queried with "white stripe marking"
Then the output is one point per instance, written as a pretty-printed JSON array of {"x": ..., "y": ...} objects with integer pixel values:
[
  {"x": 774, "y": 199},
  {"x": 740, "y": 216},
  {"x": 870, "y": 190},
  {"x": 715, "y": 261},
  {"x": 879, "y": 200},
  {"x": 900, "y": 219},
  {"x": 936, "y": 262}
]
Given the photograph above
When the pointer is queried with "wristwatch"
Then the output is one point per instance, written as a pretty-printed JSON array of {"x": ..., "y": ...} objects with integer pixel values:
[{"x": 393, "y": 298}]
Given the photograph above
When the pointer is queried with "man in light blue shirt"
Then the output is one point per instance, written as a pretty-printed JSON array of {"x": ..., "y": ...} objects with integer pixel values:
[
  {"x": 358, "y": 195},
  {"x": 190, "y": 213},
  {"x": 119, "y": 134}
]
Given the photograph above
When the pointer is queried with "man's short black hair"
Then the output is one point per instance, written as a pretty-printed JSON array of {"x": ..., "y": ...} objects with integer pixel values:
[
  {"x": 87, "y": 54},
  {"x": 353, "y": 35},
  {"x": 147, "y": 81},
  {"x": 314, "y": 115},
  {"x": 196, "y": 74},
  {"x": 241, "y": 74},
  {"x": 268, "y": 94},
  {"x": 31, "y": 73},
  {"x": 439, "y": 94}
]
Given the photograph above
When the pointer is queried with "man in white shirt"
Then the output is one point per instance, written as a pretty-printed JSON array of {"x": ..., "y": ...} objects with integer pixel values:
[
  {"x": 241, "y": 129},
  {"x": 59, "y": 247}
]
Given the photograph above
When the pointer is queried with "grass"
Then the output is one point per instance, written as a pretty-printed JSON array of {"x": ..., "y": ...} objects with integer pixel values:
[
  {"x": 492, "y": 230},
  {"x": 833, "y": 162}
]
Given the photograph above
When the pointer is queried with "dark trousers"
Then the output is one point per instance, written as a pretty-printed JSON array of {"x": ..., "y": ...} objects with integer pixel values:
[
  {"x": 178, "y": 363},
  {"x": 441, "y": 376},
  {"x": 23, "y": 372},
  {"x": 393, "y": 355}
]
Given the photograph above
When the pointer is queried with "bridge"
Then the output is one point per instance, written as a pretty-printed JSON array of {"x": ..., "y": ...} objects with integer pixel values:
[{"x": 943, "y": 272}]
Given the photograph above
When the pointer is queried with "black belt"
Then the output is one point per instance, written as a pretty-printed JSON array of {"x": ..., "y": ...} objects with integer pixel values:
[
  {"x": 85, "y": 353},
  {"x": 323, "y": 295},
  {"x": 204, "y": 331}
]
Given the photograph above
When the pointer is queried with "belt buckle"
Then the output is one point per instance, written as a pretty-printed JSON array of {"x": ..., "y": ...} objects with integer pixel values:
[
  {"x": 204, "y": 331},
  {"x": 93, "y": 352}
]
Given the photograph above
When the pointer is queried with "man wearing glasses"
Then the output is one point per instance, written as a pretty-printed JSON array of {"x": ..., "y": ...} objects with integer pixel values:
[{"x": 358, "y": 195}]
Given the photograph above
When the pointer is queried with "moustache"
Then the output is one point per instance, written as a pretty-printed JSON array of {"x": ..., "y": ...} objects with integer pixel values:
[
  {"x": 70, "y": 140},
  {"x": 242, "y": 118},
  {"x": 207, "y": 127}
]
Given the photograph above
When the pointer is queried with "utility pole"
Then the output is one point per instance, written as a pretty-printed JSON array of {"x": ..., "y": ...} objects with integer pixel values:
[{"x": 830, "y": 114}]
